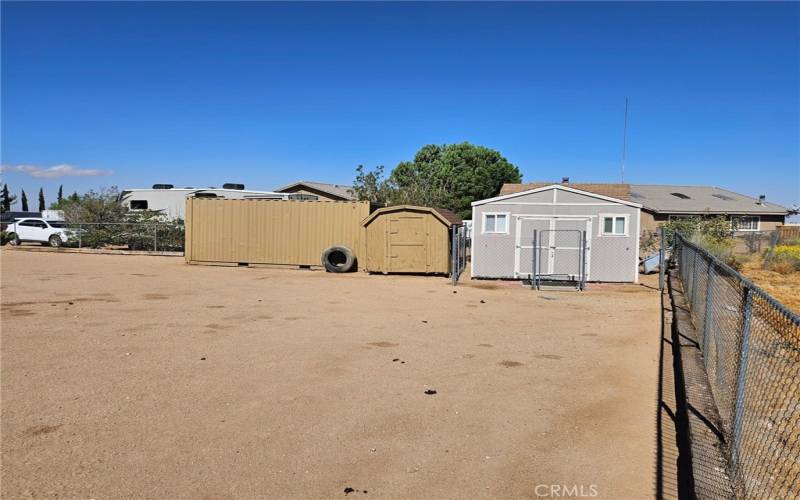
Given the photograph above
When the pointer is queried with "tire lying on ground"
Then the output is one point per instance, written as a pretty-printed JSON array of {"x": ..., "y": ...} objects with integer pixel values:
[{"x": 338, "y": 259}]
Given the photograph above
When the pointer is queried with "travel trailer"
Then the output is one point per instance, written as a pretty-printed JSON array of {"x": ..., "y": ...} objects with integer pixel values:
[{"x": 171, "y": 201}]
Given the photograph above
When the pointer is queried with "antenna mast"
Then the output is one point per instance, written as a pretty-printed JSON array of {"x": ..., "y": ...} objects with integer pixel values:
[{"x": 624, "y": 143}]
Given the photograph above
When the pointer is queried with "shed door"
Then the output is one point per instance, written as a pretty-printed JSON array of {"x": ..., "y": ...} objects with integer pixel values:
[
  {"x": 524, "y": 249},
  {"x": 407, "y": 244},
  {"x": 558, "y": 245},
  {"x": 565, "y": 247}
]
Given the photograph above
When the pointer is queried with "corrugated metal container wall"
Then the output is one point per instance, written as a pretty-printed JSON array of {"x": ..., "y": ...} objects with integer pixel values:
[{"x": 271, "y": 231}]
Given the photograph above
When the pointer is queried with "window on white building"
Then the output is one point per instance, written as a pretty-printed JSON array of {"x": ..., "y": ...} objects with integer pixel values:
[
  {"x": 615, "y": 225},
  {"x": 495, "y": 223}
]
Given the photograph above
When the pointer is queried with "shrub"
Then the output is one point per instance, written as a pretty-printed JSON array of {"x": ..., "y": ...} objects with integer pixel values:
[
  {"x": 784, "y": 259},
  {"x": 701, "y": 230}
]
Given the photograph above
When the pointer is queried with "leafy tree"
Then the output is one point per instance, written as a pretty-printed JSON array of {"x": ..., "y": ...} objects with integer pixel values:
[
  {"x": 371, "y": 186},
  {"x": 60, "y": 193},
  {"x": 24, "y": 201},
  {"x": 451, "y": 176},
  {"x": 42, "y": 206},
  {"x": 93, "y": 206},
  {"x": 6, "y": 199}
]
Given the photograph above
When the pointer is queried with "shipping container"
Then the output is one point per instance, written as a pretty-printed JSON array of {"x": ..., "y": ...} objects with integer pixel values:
[{"x": 271, "y": 231}]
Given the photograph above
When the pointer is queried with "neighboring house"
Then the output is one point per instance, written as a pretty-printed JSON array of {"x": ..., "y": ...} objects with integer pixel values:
[
  {"x": 566, "y": 219},
  {"x": 323, "y": 191},
  {"x": 661, "y": 202},
  {"x": 171, "y": 201}
]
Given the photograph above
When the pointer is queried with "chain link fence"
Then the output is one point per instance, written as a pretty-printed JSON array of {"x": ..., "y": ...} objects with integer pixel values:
[
  {"x": 459, "y": 243},
  {"x": 751, "y": 351},
  {"x": 152, "y": 236}
]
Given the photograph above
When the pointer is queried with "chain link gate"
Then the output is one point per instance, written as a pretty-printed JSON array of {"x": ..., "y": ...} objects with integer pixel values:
[
  {"x": 459, "y": 242},
  {"x": 559, "y": 255},
  {"x": 751, "y": 352}
]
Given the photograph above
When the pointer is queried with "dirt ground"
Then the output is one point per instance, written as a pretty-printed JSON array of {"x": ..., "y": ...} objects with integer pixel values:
[{"x": 140, "y": 376}]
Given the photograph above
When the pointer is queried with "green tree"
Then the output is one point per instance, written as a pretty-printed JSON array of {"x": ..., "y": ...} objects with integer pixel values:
[
  {"x": 42, "y": 206},
  {"x": 94, "y": 206},
  {"x": 371, "y": 186},
  {"x": 24, "y": 201},
  {"x": 451, "y": 176},
  {"x": 6, "y": 199},
  {"x": 60, "y": 193}
]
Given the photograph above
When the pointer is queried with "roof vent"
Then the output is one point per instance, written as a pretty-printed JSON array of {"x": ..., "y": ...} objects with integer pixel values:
[
  {"x": 722, "y": 197},
  {"x": 636, "y": 195},
  {"x": 229, "y": 185},
  {"x": 565, "y": 180},
  {"x": 681, "y": 196},
  {"x": 761, "y": 199},
  {"x": 163, "y": 186}
]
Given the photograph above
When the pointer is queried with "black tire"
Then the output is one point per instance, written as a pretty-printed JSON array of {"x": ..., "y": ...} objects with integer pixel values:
[
  {"x": 55, "y": 241},
  {"x": 13, "y": 239},
  {"x": 338, "y": 260}
]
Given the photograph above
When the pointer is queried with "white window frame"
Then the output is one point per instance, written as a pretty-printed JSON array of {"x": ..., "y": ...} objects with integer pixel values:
[
  {"x": 483, "y": 222},
  {"x": 756, "y": 217},
  {"x": 601, "y": 229}
]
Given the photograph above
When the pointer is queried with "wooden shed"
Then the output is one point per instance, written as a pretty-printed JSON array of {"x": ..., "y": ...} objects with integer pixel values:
[{"x": 409, "y": 239}]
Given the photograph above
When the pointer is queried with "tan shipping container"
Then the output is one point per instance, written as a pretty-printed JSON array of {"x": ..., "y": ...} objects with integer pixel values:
[
  {"x": 409, "y": 239},
  {"x": 271, "y": 231}
]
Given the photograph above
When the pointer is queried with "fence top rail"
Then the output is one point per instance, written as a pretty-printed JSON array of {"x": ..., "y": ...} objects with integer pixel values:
[
  {"x": 746, "y": 283},
  {"x": 117, "y": 223}
]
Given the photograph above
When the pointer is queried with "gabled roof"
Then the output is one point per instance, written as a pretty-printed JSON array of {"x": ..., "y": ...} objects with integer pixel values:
[
  {"x": 562, "y": 187},
  {"x": 446, "y": 216},
  {"x": 344, "y": 192},
  {"x": 618, "y": 191},
  {"x": 672, "y": 199}
]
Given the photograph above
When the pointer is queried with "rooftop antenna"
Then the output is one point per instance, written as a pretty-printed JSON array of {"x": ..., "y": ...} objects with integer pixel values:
[{"x": 624, "y": 143}]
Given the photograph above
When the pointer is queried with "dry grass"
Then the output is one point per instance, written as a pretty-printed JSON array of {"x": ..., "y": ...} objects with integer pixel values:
[{"x": 782, "y": 286}]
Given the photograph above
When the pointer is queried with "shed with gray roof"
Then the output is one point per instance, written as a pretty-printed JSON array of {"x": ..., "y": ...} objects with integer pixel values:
[{"x": 556, "y": 231}]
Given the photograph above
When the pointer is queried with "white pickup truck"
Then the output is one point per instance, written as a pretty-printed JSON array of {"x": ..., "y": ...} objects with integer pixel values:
[{"x": 46, "y": 232}]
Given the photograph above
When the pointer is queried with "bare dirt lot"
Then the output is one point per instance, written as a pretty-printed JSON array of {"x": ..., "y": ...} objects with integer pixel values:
[{"x": 138, "y": 376}]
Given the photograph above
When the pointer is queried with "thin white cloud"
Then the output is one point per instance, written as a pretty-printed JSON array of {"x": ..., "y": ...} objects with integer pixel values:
[{"x": 55, "y": 171}]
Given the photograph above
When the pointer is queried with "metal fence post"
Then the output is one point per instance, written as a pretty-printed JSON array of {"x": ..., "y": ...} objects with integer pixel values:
[
  {"x": 583, "y": 259},
  {"x": 707, "y": 329},
  {"x": 453, "y": 257},
  {"x": 661, "y": 259},
  {"x": 741, "y": 380},
  {"x": 155, "y": 238},
  {"x": 535, "y": 261},
  {"x": 693, "y": 293}
]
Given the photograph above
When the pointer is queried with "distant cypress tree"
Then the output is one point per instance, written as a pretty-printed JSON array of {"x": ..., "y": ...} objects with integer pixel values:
[
  {"x": 24, "y": 199},
  {"x": 5, "y": 199},
  {"x": 60, "y": 193},
  {"x": 41, "y": 199}
]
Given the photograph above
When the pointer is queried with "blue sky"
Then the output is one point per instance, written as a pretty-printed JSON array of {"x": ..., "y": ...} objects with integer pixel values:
[{"x": 204, "y": 93}]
